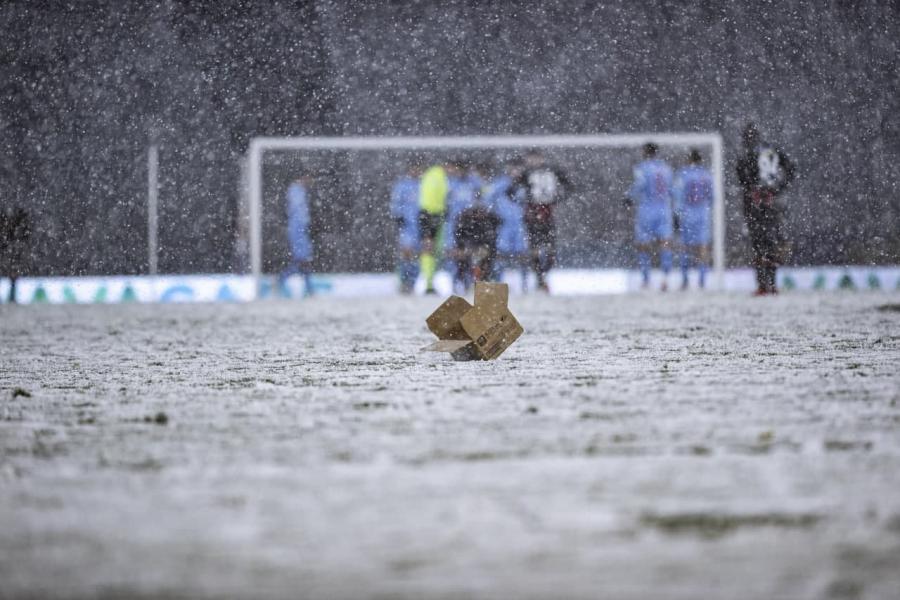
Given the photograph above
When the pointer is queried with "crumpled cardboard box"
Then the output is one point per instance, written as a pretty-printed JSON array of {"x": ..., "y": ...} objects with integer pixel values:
[{"x": 479, "y": 332}]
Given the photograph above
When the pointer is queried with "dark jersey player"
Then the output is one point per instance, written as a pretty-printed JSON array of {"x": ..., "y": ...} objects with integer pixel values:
[
  {"x": 543, "y": 187},
  {"x": 476, "y": 243},
  {"x": 15, "y": 233},
  {"x": 764, "y": 171}
]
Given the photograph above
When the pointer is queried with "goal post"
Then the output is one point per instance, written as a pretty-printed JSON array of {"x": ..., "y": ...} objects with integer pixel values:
[{"x": 252, "y": 177}]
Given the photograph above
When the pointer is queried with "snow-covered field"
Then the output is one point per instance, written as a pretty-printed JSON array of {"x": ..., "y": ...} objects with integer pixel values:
[{"x": 640, "y": 446}]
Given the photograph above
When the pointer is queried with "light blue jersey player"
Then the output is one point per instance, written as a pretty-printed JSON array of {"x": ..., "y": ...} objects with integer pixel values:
[
  {"x": 651, "y": 192},
  {"x": 298, "y": 223},
  {"x": 693, "y": 206},
  {"x": 405, "y": 212}
]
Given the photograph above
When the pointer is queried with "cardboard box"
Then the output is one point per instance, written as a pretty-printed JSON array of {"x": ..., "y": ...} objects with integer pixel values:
[{"x": 479, "y": 332}]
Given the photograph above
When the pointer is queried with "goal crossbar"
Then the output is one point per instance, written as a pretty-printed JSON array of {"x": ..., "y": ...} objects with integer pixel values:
[{"x": 260, "y": 145}]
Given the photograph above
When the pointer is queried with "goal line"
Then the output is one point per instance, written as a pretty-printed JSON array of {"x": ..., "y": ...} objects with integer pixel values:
[{"x": 253, "y": 168}]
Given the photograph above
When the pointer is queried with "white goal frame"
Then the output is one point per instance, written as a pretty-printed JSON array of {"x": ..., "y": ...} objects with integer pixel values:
[{"x": 259, "y": 145}]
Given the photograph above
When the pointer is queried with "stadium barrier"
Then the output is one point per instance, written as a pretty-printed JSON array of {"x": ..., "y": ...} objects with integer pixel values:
[{"x": 240, "y": 288}]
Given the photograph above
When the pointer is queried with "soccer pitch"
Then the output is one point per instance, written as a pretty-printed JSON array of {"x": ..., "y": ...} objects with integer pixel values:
[{"x": 648, "y": 445}]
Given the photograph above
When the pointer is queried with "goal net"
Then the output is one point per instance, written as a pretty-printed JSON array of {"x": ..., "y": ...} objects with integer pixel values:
[{"x": 352, "y": 230}]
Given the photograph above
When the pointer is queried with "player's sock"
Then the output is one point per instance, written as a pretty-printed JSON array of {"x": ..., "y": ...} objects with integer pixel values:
[
  {"x": 770, "y": 280},
  {"x": 282, "y": 287},
  {"x": 428, "y": 265},
  {"x": 760, "y": 277},
  {"x": 408, "y": 274},
  {"x": 665, "y": 261},
  {"x": 685, "y": 266},
  {"x": 703, "y": 268},
  {"x": 644, "y": 263}
]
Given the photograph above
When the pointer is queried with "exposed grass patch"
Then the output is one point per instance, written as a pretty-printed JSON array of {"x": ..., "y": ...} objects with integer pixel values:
[
  {"x": 712, "y": 525},
  {"x": 370, "y": 405},
  {"x": 847, "y": 445},
  {"x": 159, "y": 418}
]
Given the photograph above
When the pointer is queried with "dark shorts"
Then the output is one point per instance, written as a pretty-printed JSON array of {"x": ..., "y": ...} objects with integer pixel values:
[
  {"x": 541, "y": 234},
  {"x": 429, "y": 225}
]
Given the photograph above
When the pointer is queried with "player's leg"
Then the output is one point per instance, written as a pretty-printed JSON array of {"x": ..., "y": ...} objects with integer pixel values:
[
  {"x": 515, "y": 262},
  {"x": 537, "y": 267},
  {"x": 695, "y": 237},
  {"x": 536, "y": 244},
  {"x": 757, "y": 249},
  {"x": 428, "y": 225},
  {"x": 462, "y": 261},
  {"x": 703, "y": 225},
  {"x": 702, "y": 254},
  {"x": 550, "y": 254},
  {"x": 665, "y": 261},
  {"x": 305, "y": 268},
  {"x": 770, "y": 263},
  {"x": 522, "y": 264},
  {"x": 782, "y": 246},
  {"x": 408, "y": 240},
  {"x": 771, "y": 248},
  {"x": 686, "y": 258},
  {"x": 686, "y": 240},
  {"x": 292, "y": 268},
  {"x": 643, "y": 257},
  {"x": 664, "y": 232},
  {"x": 408, "y": 269},
  {"x": 522, "y": 250},
  {"x": 642, "y": 242},
  {"x": 489, "y": 265},
  {"x": 759, "y": 265}
]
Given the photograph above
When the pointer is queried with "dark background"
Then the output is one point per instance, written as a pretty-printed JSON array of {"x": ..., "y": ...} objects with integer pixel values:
[{"x": 87, "y": 85}]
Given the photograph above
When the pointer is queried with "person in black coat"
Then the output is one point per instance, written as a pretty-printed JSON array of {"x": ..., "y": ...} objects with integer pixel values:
[
  {"x": 764, "y": 171},
  {"x": 15, "y": 232}
]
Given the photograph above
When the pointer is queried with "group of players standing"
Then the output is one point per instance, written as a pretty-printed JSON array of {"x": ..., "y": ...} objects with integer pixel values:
[
  {"x": 665, "y": 202},
  {"x": 481, "y": 224}
]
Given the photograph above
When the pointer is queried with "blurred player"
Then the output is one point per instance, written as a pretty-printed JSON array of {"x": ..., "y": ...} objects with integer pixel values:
[
  {"x": 544, "y": 187},
  {"x": 693, "y": 205},
  {"x": 433, "y": 189},
  {"x": 476, "y": 243},
  {"x": 764, "y": 172},
  {"x": 652, "y": 193},
  {"x": 405, "y": 212},
  {"x": 15, "y": 232},
  {"x": 298, "y": 236},
  {"x": 512, "y": 248}
]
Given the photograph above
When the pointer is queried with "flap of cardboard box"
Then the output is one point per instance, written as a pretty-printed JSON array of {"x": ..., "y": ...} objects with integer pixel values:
[
  {"x": 458, "y": 349},
  {"x": 446, "y": 345},
  {"x": 444, "y": 321},
  {"x": 491, "y": 294}
]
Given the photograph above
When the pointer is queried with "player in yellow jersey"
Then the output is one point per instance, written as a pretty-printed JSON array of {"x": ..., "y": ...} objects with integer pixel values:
[{"x": 433, "y": 190}]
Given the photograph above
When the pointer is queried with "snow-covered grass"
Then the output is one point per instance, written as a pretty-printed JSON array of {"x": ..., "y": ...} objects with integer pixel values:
[{"x": 640, "y": 446}]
